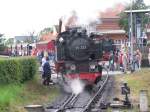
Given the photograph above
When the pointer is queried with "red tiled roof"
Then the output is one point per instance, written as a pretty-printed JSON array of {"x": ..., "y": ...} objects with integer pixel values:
[
  {"x": 110, "y": 19},
  {"x": 48, "y": 36},
  {"x": 112, "y": 12}
]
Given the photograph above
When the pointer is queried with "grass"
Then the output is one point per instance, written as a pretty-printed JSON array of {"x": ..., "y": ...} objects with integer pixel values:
[
  {"x": 139, "y": 80},
  {"x": 14, "y": 97}
]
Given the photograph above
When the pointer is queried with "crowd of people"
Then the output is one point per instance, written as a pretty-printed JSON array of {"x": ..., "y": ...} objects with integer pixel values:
[{"x": 121, "y": 60}]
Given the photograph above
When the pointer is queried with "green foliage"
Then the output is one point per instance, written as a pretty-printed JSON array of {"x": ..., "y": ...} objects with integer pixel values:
[
  {"x": 9, "y": 94},
  {"x": 9, "y": 41},
  {"x": 2, "y": 47},
  {"x": 46, "y": 31},
  {"x": 2, "y": 39},
  {"x": 137, "y": 81},
  {"x": 28, "y": 68},
  {"x": 9, "y": 71},
  {"x": 138, "y": 4},
  {"x": 14, "y": 97},
  {"x": 16, "y": 70}
]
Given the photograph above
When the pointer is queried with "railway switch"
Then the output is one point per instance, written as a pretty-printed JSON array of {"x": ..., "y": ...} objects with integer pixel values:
[{"x": 125, "y": 90}]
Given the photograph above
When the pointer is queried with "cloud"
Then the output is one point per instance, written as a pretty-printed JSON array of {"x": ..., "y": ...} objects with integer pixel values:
[{"x": 21, "y": 16}]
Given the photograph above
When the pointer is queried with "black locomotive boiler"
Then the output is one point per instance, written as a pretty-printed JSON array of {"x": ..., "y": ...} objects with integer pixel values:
[{"x": 78, "y": 54}]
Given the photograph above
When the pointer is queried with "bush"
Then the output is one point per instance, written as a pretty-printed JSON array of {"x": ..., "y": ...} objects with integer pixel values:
[
  {"x": 28, "y": 68},
  {"x": 16, "y": 70}
]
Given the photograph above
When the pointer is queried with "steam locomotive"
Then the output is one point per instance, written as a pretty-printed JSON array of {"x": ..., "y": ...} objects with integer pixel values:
[{"x": 78, "y": 54}]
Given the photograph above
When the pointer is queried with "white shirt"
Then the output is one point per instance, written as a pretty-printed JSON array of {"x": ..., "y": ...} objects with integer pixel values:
[{"x": 43, "y": 61}]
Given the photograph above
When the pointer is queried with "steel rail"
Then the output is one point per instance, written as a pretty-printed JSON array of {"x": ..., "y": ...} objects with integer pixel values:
[
  {"x": 88, "y": 105},
  {"x": 70, "y": 100}
]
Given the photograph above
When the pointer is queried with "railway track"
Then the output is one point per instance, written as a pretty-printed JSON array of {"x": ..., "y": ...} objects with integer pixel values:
[
  {"x": 89, "y": 106},
  {"x": 82, "y": 102},
  {"x": 68, "y": 103}
]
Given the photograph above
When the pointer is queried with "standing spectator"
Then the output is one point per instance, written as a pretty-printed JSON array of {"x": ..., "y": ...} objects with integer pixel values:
[
  {"x": 45, "y": 53},
  {"x": 53, "y": 55},
  {"x": 128, "y": 60},
  {"x": 139, "y": 58},
  {"x": 38, "y": 55},
  {"x": 20, "y": 53},
  {"x": 100, "y": 68},
  {"x": 43, "y": 61},
  {"x": 149, "y": 56},
  {"x": 121, "y": 61},
  {"x": 125, "y": 62},
  {"x": 42, "y": 53},
  {"x": 135, "y": 61},
  {"x": 111, "y": 62},
  {"x": 46, "y": 72},
  {"x": 117, "y": 59},
  {"x": 50, "y": 55}
]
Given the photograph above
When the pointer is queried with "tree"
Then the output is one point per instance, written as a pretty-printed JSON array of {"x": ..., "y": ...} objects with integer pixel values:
[
  {"x": 31, "y": 38},
  {"x": 123, "y": 22},
  {"x": 2, "y": 46},
  {"x": 45, "y": 31},
  {"x": 9, "y": 41},
  {"x": 1, "y": 38}
]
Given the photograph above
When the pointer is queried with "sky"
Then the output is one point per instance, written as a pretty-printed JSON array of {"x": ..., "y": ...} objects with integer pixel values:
[{"x": 19, "y": 17}]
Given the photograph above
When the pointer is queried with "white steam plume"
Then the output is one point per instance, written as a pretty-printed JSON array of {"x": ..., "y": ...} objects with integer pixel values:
[
  {"x": 77, "y": 86},
  {"x": 80, "y": 18}
]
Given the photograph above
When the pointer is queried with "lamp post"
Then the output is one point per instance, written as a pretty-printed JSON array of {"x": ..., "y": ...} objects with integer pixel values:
[{"x": 131, "y": 35}]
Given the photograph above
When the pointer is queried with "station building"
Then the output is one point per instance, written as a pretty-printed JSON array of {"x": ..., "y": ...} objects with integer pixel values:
[{"x": 109, "y": 26}]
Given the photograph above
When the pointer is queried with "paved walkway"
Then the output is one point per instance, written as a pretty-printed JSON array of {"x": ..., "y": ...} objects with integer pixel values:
[
  {"x": 3, "y": 56},
  {"x": 114, "y": 72}
]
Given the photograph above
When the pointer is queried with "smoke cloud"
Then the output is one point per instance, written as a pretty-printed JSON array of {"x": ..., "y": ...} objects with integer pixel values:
[
  {"x": 80, "y": 19},
  {"x": 77, "y": 86}
]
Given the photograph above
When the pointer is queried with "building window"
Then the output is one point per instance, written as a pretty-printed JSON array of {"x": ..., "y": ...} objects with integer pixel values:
[
  {"x": 119, "y": 41},
  {"x": 116, "y": 41}
]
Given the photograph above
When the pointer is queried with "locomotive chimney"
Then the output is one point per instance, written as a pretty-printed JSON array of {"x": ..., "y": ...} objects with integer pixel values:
[{"x": 60, "y": 26}]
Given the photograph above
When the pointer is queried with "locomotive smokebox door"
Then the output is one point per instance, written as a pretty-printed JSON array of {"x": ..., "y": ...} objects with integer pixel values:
[{"x": 125, "y": 89}]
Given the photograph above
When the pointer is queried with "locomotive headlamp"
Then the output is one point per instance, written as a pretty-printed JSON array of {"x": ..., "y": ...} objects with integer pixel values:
[
  {"x": 92, "y": 66},
  {"x": 61, "y": 39},
  {"x": 72, "y": 67}
]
